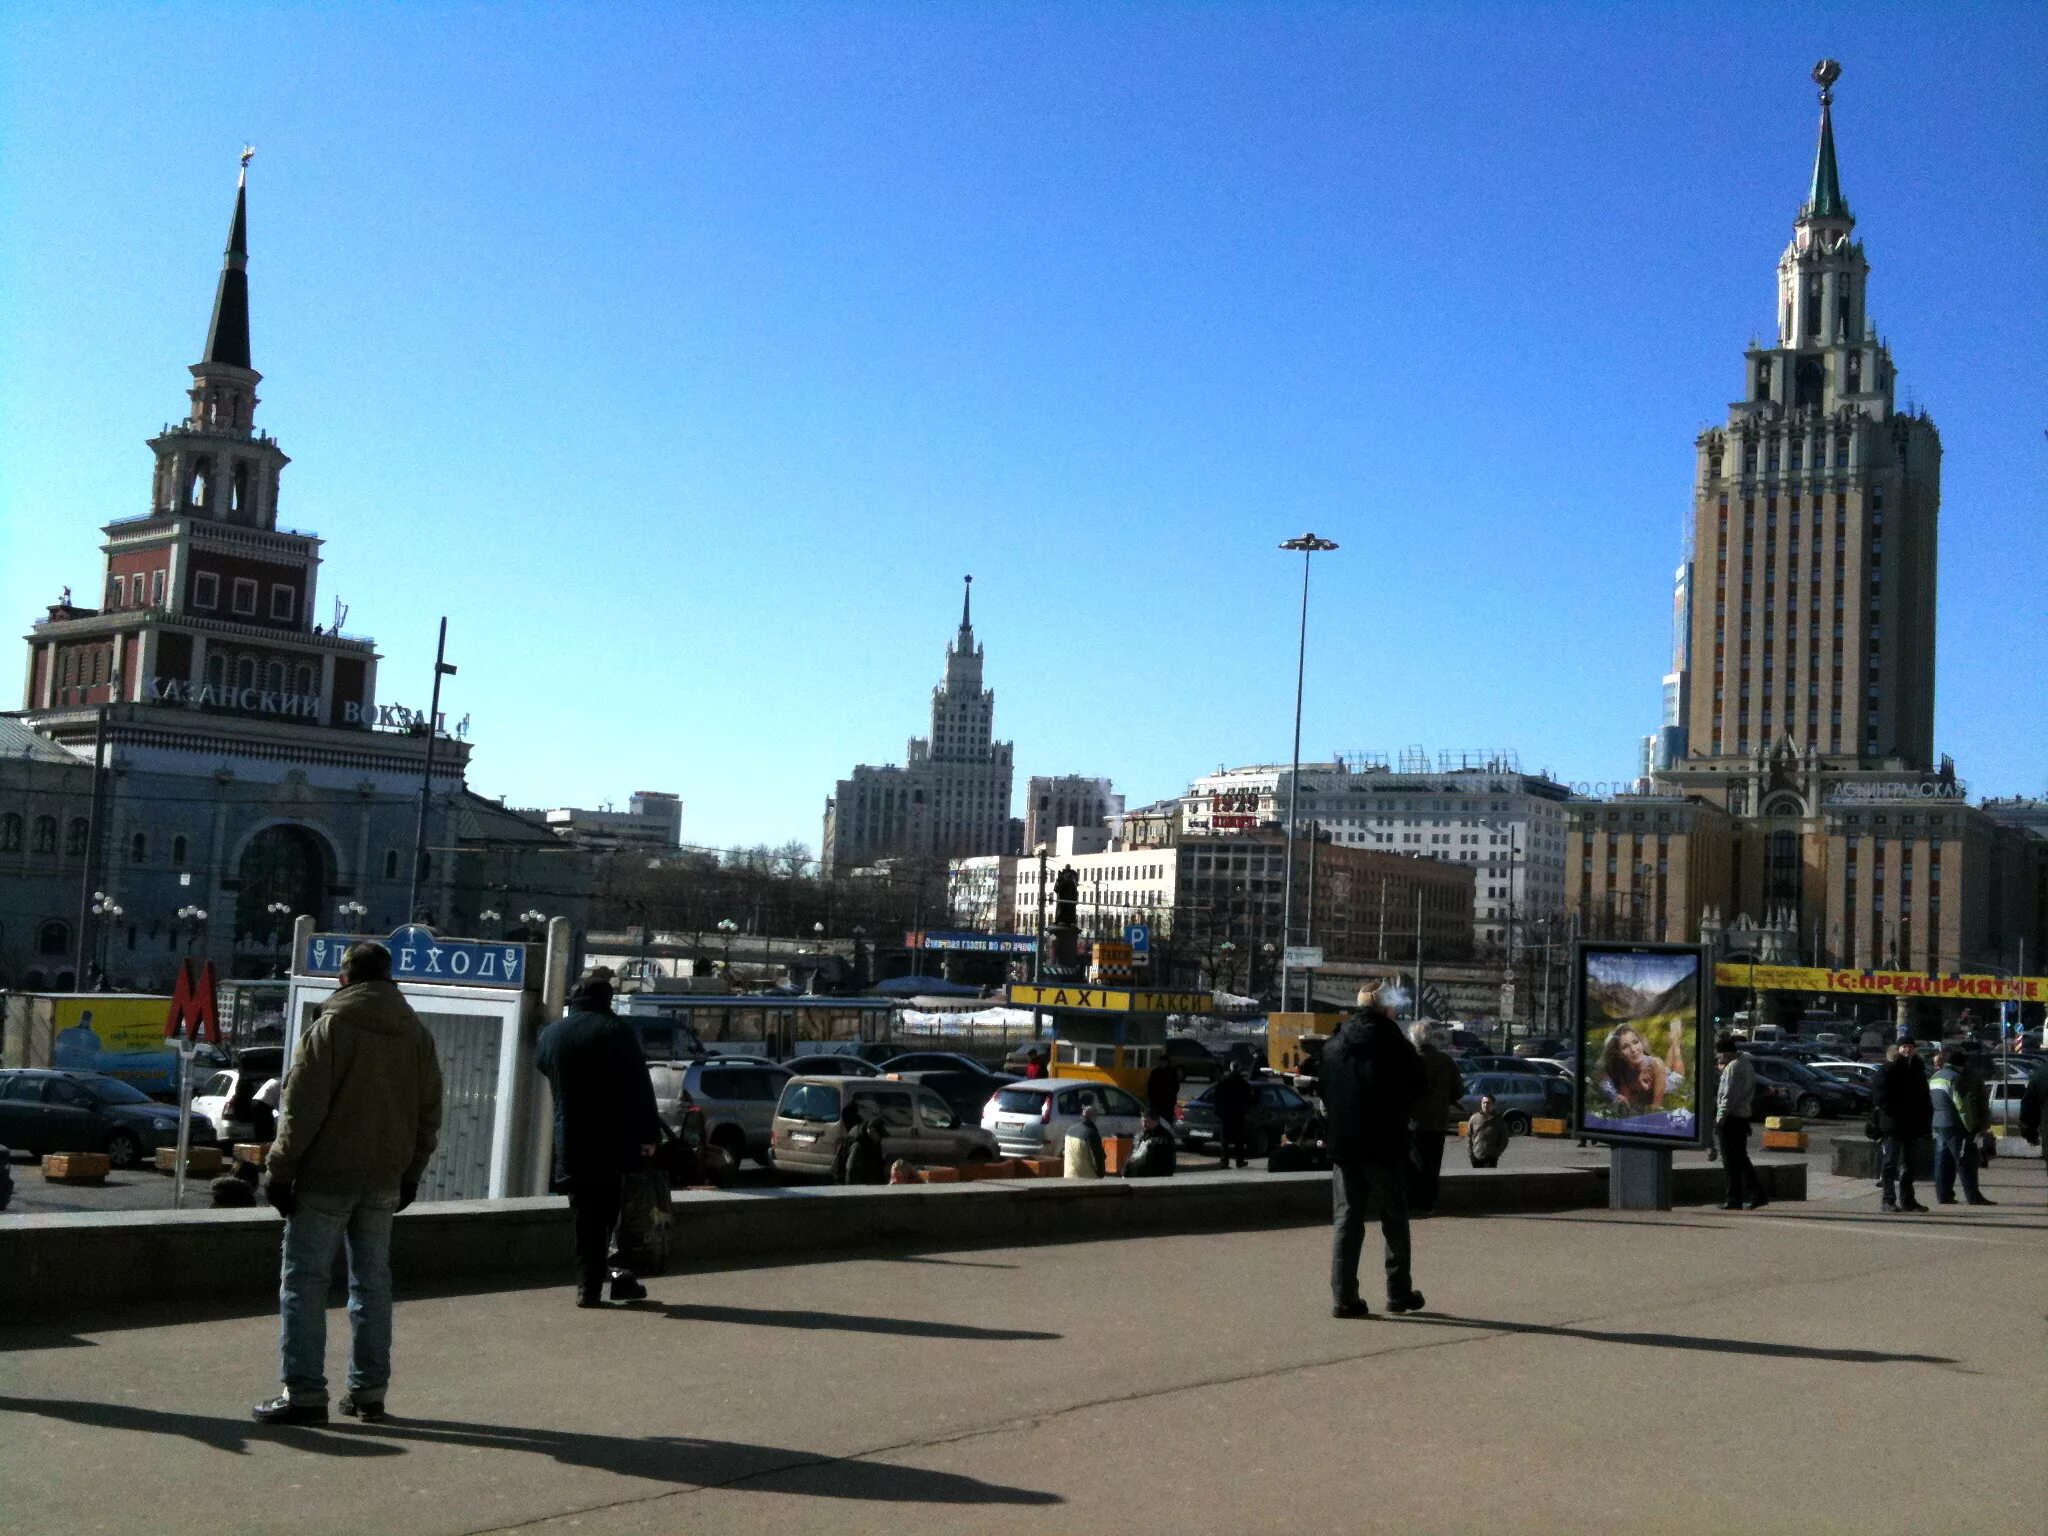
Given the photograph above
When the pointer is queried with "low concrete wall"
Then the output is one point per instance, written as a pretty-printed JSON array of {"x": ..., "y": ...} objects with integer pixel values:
[{"x": 55, "y": 1264}]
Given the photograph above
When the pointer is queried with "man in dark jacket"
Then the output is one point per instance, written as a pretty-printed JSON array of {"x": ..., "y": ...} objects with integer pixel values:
[
  {"x": 1371, "y": 1079},
  {"x": 1443, "y": 1085},
  {"x": 1162, "y": 1090},
  {"x": 606, "y": 1125},
  {"x": 1231, "y": 1098},
  {"x": 2033, "y": 1107},
  {"x": 361, "y": 1114},
  {"x": 1905, "y": 1114}
]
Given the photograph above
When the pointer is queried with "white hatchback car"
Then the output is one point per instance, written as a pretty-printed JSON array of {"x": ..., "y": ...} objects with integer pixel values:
[{"x": 1031, "y": 1119}]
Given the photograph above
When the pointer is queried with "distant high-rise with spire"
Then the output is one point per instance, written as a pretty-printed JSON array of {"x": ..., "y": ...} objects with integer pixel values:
[{"x": 951, "y": 797}]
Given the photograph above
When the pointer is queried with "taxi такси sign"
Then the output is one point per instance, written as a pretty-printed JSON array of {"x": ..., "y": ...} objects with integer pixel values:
[{"x": 1109, "y": 999}]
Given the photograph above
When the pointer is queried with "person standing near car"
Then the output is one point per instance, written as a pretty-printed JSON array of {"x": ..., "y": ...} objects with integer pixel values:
[
  {"x": 606, "y": 1125},
  {"x": 1231, "y": 1098},
  {"x": 1371, "y": 1079},
  {"x": 1486, "y": 1135},
  {"x": 1162, "y": 1089},
  {"x": 1442, "y": 1086},
  {"x": 1734, "y": 1102},
  {"x": 1905, "y": 1113},
  {"x": 360, "y": 1118}
]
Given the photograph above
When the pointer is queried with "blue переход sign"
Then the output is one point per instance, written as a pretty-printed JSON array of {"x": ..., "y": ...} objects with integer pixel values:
[{"x": 417, "y": 954}]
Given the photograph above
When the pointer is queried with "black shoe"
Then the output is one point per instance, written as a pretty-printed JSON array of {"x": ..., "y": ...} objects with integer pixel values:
[
  {"x": 1944, "y": 1199},
  {"x": 590, "y": 1298},
  {"x": 1888, "y": 1207},
  {"x": 1980, "y": 1200},
  {"x": 626, "y": 1286},
  {"x": 1756, "y": 1203},
  {"x": 282, "y": 1410},
  {"x": 370, "y": 1412},
  {"x": 1412, "y": 1302},
  {"x": 1351, "y": 1309},
  {"x": 1736, "y": 1205},
  {"x": 1912, "y": 1205},
  {"x": 1242, "y": 1163}
]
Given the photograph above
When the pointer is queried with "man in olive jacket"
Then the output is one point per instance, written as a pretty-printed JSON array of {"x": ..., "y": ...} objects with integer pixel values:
[
  {"x": 606, "y": 1125},
  {"x": 1371, "y": 1079},
  {"x": 360, "y": 1117}
]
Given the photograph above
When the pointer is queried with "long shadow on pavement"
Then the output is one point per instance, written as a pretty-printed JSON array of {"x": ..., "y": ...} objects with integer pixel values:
[
  {"x": 1685, "y": 1341},
  {"x": 846, "y": 1322},
  {"x": 685, "y": 1461}
]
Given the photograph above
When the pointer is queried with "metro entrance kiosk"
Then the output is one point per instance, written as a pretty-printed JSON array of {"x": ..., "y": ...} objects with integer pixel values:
[{"x": 484, "y": 1001}]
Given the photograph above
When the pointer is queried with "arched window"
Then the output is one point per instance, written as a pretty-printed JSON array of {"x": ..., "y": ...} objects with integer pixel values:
[
  {"x": 302, "y": 681},
  {"x": 54, "y": 937},
  {"x": 391, "y": 864},
  {"x": 46, "y": 834},
  {"x": 10, "y": 833},
  {"x": 202, "y": 483},
  {"x": 245, "y": 672},
  {"x": 217, "y": 670},
  {"x": 178, "y": 849},
  {"x": 75, "y": 836},
  {"x": 138, "y": 848},
  {"x": 238, "y": 492},
  {"x": 273, "y": 677}
]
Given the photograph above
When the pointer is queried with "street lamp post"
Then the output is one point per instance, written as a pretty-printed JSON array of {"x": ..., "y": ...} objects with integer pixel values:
[
  {"x": 491, "y": 916},
  {"x": 193, "y": 919},
  {"x": 727, "y": 928},
  {"x": 352, "y": 913},
  {"x": 278, "y": 911},
  {"x": 105, "y": 911},
  {"x": 1310, "y": 546}
]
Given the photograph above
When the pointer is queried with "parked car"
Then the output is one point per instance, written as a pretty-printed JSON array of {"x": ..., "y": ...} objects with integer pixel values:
[
  {"x": 1251, "y": 1057},
  {"x": 1542, "y": 1045},
  {"x": 1862, "y": 1073},
  {"x": 1551, "y": 1067},
  {"x": 1275, "y": 1108},
  {"x": 43, "y": 1111},
  {"x": 1521, "y": 1097},
  {"x": 1196, "y": 1061},
  {"x": 1813, "y": 1095},
  {"x": 1526, "y": 1064},
  {"x": 916, "y": 1124},
  {"x": 737, "y": 1100},
  {"x": 1031, "y": 1119},
  {"x": 935, "y": 1061},
  {"x": 832, "y": 1064},
  {"x": 967, "y": 1092}
]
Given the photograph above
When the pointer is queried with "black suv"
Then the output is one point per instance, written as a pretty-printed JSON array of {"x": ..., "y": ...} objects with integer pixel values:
[{"x": 1812, "y": 1095}]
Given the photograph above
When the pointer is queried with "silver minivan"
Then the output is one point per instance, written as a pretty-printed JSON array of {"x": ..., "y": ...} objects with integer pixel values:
[{"x": 917, "y": 1124}]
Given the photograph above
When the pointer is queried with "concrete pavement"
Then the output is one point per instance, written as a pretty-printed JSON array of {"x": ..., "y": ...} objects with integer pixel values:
[{"x": 1812, "y": 1367}]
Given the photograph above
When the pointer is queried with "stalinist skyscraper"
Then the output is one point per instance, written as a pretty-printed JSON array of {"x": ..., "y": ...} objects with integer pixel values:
[{"x": 1815, "y": 530}]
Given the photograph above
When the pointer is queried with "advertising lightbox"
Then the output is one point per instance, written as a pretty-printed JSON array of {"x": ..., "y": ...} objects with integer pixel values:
[{"x": 1642, "y": 1017}]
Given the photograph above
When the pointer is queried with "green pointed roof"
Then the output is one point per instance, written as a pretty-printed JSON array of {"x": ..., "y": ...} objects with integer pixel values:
[
  {"x": 227, "y": 336},
  {"x": 1825, "y": 201}
]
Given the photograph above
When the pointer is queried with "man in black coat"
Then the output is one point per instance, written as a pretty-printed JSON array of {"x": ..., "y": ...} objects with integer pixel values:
[
  {"x": 1231, "y": 1098},
  {"x": 1443, "y": 1087},
  {"x": 606, "y": 1125},
  {"x": 1162, "y": 1090},
  {"x": 1371, "y": 1080},
  {"x": 1905, "y": 1114}
]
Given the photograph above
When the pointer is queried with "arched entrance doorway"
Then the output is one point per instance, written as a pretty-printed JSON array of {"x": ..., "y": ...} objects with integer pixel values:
[{"x": 283, "y": 864}]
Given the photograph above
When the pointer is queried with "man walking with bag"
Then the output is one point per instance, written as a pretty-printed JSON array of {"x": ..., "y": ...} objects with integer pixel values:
[
  {"x": 1370, "y": 1079},
  {"x": 606, "y": 1125},
  {"x": 1734, "y": 1102},
  {"x": 1905, "y": 1113},
  {"x": 360, "y": 1116}
]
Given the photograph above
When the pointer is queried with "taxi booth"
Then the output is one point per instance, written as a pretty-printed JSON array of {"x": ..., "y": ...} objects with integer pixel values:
[
  {"x": 1108, "y": 1034},
  {"x": 485, "y": 1002}
]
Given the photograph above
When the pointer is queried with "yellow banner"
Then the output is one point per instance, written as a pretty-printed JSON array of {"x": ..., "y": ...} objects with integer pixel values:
[
  {"x": 1109, "y": 999},
  {"x": 1807, "y": 978}
]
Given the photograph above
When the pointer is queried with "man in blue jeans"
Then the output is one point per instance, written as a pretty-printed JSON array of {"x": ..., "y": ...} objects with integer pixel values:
[{"x": 360, "y": 1117}]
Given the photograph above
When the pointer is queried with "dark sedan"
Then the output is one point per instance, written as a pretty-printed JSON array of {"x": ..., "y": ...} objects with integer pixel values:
[
  {"x": 1275, "y": 1108},
  {"x": 1470, "y": 1064},
  {"x": 1811, "y": 1095},
  {"x": 87, "y": 1112}
]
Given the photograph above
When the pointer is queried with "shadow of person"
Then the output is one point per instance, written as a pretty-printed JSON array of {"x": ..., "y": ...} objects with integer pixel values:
[
  {"x": 1704, "y": 1342},
  {"x": 683, "y": 1461},
  {"x": 714, "y": 1463},
  {"x": 221, "y": 1434},
  {"x": 847, "y": 1322}
]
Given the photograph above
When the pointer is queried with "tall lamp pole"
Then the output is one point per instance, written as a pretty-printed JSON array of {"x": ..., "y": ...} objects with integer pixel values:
[
  {"x": 1310, "y": 546},
  {"x": 419, "y": 836}
]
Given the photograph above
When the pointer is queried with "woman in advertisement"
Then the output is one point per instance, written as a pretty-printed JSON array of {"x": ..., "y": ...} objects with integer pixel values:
[{"x": 1633, "y": 1077}]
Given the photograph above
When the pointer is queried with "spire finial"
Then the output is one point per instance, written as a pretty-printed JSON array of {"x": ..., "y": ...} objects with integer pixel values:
[
  {"x": 227, "y": 336},
  {"x": 1825, "y": 201},
  {"x": 967, "y": 606}
]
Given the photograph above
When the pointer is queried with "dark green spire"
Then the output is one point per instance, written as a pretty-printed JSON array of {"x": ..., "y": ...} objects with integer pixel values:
[
  {"x": 227, "y": 337},
  {"x": 1825, "y": 200}
]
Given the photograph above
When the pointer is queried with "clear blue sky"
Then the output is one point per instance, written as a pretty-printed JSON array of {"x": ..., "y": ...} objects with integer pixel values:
[{"x": 685, "y": 357}]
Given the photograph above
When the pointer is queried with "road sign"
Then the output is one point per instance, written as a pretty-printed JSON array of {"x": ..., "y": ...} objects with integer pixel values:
[
  {"x": 1303, "y": 957},
  {"x": 1139, "y": 937},
  {"x": 417, "y": 954}
]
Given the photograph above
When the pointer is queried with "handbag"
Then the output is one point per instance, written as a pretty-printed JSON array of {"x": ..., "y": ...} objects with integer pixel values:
[
  {"x": 645, "y": 1220},
  {"x": 1873, "y": 1126}
]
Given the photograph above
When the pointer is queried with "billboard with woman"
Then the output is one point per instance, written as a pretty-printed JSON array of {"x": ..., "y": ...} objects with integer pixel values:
[{"x": 1641, "y": 1047}]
